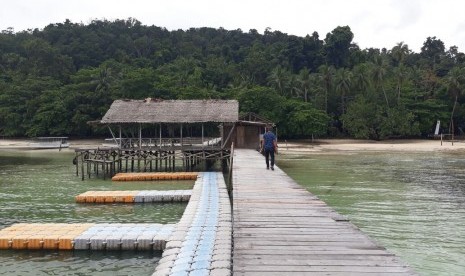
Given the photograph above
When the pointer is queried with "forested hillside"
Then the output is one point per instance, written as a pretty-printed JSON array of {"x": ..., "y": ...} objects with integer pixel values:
[{"x": 54, "y": 80}]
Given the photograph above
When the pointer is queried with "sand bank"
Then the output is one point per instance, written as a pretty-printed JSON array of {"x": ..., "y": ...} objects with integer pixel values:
[
  {"x": 297, "y": 147},
  {"x": 26, "y": 144},
  {"x": 347, "y": 145}
]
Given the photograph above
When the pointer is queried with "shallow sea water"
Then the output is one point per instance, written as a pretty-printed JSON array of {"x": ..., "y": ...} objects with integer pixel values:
[
  {"x": 40, "y": 186},
  {"x": 411, "y": 203}
]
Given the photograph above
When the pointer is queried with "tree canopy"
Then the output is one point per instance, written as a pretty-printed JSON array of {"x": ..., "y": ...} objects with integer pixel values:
[{"x": 56, "y": 79}]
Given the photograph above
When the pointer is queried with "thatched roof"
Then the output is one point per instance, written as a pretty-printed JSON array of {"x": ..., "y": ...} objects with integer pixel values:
[{"x": 171, "y": 111}]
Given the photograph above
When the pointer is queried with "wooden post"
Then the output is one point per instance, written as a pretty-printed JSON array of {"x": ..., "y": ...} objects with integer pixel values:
[
  {"x": 202, "y": 135},
  {"x": 166, "y": 161},
  {"x": 140, "y": 136},
  {"x": 231, "y": 161},
  {"x": 82, "y": 166},
  {"x": 160, "y": 136},
  {"x": 174, "y": 160},
  {"x": 156, "y": 160},
  {"x": 120, "y": 138},
  {"x": 145, "y": 162},
  {"x": 126, "y": 163},
  {"x": 132, "y": 161},
  {"x": 186, "y": 163},
  {"x": 181, "y": 138},
  {"x": 222, "y": 134},
  {"x": 120, "y": 161},
  {"x": 77, "y": 164}
]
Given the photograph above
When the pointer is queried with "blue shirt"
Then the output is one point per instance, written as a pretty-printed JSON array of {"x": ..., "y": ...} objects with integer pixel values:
[{"x": 268, "y": 139}]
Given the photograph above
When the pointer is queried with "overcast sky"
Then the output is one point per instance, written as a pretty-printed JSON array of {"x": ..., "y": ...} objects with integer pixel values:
[{"x": 375, "y": 23}]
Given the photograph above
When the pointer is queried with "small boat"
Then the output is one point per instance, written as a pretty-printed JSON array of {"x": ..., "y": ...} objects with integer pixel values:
[{"x": 50, "y": 143}]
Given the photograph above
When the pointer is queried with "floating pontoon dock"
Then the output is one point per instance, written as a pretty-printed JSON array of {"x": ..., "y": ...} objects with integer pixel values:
[{"x": 150, "y": 196}]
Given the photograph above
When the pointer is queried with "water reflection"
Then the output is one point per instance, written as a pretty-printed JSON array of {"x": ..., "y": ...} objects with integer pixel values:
[
  {"x": 44, "y": 262},
  {"x": 412, "y": 203}
]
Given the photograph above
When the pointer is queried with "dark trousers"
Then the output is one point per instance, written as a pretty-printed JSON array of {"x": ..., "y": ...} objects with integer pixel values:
[{"x": 268, "y": 153}]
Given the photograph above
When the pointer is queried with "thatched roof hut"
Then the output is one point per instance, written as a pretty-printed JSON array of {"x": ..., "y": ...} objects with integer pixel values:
[
  {"x": 171, "y": 111},
  {"x": 167, "y": 114}
]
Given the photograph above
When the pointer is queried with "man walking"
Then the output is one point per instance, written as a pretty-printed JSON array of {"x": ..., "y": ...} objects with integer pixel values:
[{"x": 269, "y": 146}]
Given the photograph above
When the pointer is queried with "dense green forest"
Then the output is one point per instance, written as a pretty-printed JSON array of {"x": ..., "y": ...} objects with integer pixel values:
[{"x": 56, "y": 79}]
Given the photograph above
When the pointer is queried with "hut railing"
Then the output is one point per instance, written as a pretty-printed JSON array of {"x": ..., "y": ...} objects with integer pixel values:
[{"x": 152, "y": 143}]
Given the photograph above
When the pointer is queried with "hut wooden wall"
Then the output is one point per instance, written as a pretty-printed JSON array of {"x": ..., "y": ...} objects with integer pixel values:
[{"x": 244, "y": 136}]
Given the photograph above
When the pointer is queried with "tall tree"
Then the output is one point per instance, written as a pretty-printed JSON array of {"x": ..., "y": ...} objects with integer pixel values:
[
  {"x": 337, "y": 46},
  {"x": 401, "y": 73},
  {"x": 278, "y": 79},
  {"x": 379, "y": 72},
  {"x": 361, "y": 77},
  {"x": 343, "y": 82},
  {"x": 327, "y": 78},
  {"x": 455, "y": 85},
  {"x": 305, "y": 83},
  {"x": 400, "y": 52},
  {"x": 432, "y": 50}
]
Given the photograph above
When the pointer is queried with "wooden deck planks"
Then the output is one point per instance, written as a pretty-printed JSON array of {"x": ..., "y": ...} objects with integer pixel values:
[{"x": 281, "y": 229}]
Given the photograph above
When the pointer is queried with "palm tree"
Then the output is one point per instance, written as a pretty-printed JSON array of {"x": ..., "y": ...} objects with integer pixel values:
[
  {"x": 278, "y": 79},
  {"x": 343, "y": 80},
  {"x": 455, "y": 85},
  {"x": 401, "y": 74},
  {"x": 378, "y": 74},
  {"x": 103, "y": 79},
  {"x": 399, "y": 52},
  {"x": 317, "y": 92},
  {"x": 304, "y": 83},
  {"x": 361, "y": 79},
  {"x": 327, "y": 76},
  {"x": 415, "y": 75}
]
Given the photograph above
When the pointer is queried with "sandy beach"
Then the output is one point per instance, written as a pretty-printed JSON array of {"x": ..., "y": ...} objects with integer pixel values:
[
  {"x": 347, "y": 145},
  {"x": 297, "y": 147},
  {"x": 27, "y": 144}
]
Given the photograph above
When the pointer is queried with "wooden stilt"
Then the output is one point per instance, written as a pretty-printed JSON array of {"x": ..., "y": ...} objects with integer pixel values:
[
  {"x": 82, "y": 168},
  {"x": 76, "y": 160},
  {"x": 132, "y": 163}
]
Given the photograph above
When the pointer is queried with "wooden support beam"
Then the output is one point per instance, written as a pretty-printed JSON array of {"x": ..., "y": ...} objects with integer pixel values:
[
  {"x": 140, "y": 136},
  {"x": 229, "y": 136}
]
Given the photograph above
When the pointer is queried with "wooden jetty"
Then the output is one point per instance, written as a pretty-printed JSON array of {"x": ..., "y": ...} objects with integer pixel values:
[
  {"x": 109, "y": 161},
  {"x": 279, "y": 228}
]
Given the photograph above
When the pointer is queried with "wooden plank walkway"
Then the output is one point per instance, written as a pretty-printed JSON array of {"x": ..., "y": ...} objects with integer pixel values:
[{"x": 279, "y": 228}]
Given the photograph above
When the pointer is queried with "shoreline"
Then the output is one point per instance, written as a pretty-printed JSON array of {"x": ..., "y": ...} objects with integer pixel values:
[
  {"x": 293, "y": 146},
  {"x": 351, "y": 145},
  {"x": 25, "y": 144}
]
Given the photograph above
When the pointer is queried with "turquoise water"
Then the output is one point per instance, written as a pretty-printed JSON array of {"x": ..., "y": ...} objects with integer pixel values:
[
  {"x": 40, "y": 186},
  {"x": 411, "y": 203}
]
